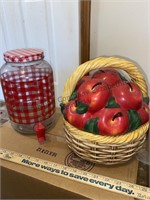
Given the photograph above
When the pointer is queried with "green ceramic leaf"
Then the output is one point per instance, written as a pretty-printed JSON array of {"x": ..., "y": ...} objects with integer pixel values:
[
  {"x": 146, "y": 100},
  {"x": 73, "y": 95},
  {"x": 135, "y": 120},
  {"x": 112, "y": 103},
  {"x": 81, "y": 108},
  {"x": 91, "y": 126}
]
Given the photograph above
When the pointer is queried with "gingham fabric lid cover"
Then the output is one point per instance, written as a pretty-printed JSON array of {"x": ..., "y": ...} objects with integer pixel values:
[{"x": 23, "y": 55}]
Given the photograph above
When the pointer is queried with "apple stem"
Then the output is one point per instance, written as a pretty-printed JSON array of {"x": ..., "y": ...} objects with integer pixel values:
[
  {"x": 130, "y": 86},
  {"x": 102, "y": 71},
  {"x": 119, "y": 114},
  {"x": 76, "y": 103},
  {"x": 99, "y": 83}
]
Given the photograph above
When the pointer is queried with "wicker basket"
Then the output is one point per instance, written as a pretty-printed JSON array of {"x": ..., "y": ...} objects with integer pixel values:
[{"x": 106, "y": 150}]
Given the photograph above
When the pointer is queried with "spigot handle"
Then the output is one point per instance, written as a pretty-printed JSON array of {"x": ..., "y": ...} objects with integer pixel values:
[{"x": 40, "y": 129}]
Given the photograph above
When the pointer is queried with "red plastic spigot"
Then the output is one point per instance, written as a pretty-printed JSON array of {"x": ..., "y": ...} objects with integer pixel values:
[{"x": 39, "y": 128}]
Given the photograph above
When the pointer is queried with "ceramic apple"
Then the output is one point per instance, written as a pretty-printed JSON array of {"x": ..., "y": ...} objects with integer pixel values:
[
  {"x": 110, "y": 76},
  {"x": 113, "y": 121},
  {"x": 144, "y": 113},
  {"x": 128, "y": 95},
  {"x": 76, "y": 114},
  {"x": 82, "y": 80},
  {"x": 94, "y": 93}
]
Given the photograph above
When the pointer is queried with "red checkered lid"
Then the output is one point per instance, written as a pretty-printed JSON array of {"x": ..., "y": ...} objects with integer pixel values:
[{"x": 23, "y": 55}]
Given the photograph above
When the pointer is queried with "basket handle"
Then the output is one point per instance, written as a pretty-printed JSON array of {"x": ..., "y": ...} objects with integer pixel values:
[{"x": 102, "y": 62}]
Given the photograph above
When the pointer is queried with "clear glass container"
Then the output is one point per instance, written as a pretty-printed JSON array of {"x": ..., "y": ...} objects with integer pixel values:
[{"x": 28, "y": 88}]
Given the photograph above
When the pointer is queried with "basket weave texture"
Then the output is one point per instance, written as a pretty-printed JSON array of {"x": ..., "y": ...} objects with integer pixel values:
[{"x": 101, "y": 149}]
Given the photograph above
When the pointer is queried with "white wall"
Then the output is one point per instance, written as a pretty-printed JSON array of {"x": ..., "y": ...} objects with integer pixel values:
[
  {"x": 122, "y": 27},
  {"x": 52, "y": 25}
]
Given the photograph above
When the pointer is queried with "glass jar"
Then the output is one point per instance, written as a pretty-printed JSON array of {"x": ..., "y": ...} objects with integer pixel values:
[{"x": 28, "y": 88}]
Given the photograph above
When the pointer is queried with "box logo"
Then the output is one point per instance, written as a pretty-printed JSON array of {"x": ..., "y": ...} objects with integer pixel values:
[{"x": 72, "y": 160}]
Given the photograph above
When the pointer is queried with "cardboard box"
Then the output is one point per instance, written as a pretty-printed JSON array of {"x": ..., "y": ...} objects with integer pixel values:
[{"x": 23, "y": 182}]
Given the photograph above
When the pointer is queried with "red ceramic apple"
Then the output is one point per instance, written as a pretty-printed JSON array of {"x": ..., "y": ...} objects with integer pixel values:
[
  {"x": 110, "y": 76},
  {"x": 128, "y": 95},
  {"x": 113, "y": 121},
  {"x": 94, "y": 93},
  {"x": 144, "y": 113},
  {"x": 82, "y": 80},
  {"x": 75, "y": 115}
]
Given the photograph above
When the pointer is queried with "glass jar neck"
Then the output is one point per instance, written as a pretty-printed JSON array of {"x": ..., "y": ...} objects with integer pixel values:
[{"x": 15, "y": 64}]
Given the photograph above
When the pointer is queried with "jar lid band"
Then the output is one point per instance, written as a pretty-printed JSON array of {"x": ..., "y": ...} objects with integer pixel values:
[{"x": 23, "y": 55}]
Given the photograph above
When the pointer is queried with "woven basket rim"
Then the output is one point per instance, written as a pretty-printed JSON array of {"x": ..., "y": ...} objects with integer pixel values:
[{"x": 97, "y": 63}]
